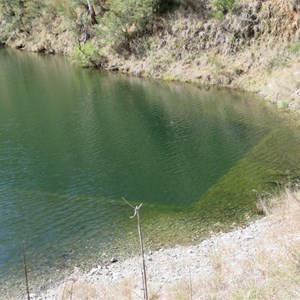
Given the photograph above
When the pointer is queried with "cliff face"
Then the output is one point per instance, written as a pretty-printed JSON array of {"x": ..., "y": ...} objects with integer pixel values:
[{"x": 255, "y": 46}]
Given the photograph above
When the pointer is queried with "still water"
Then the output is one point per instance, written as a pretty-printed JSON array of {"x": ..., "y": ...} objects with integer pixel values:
[{"x": 73, "y": 142}]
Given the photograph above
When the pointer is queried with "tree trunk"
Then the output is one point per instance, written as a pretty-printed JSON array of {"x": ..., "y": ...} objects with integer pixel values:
[{"x": 91, "y": 12}]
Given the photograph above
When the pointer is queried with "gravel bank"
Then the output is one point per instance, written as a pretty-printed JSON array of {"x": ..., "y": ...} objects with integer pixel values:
[{"x": 223, "y": 260}]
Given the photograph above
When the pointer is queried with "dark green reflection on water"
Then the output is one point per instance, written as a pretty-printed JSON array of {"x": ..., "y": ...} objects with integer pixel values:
[{"x": 74, "y": 142}]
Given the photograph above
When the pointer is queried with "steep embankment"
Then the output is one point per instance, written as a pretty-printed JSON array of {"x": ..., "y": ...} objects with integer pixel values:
[{"x": 255, "y": 46}]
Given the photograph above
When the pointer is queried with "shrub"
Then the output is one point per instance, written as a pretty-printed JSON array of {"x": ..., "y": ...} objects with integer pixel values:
[
  {"x": 125, "y": 20},
  {"x": 222, "y": 7},
  {"x": 86, "y": 55},
  {"x": 19, "y": 14},
  {"x": 12, "y": 11}
]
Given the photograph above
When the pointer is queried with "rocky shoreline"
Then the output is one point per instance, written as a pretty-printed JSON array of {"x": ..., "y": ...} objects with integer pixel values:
[
  {"x": 167, "y": 267},
  {"x": 216, "y": 265}
]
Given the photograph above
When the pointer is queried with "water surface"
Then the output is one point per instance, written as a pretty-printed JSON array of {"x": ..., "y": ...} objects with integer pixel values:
[{"x": 74, "y": 142}]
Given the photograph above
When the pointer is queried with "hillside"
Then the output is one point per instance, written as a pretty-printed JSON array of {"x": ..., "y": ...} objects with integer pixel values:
[{"x": 250, "y": 45}]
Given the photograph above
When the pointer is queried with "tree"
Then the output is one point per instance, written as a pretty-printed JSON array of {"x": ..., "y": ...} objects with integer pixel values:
[{"x": 126, "y": 20}]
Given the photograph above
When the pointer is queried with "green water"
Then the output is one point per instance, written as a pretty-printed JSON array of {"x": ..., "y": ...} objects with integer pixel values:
[{"x": 73, "y": 142}]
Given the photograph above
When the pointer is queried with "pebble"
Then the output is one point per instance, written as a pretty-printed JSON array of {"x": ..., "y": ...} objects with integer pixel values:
[
  {"x": 297, "y": 92},
  {"x": 93, "y": 271},
  {"x": 170, "y": 265},
  {"x": 113, "y": 260}
]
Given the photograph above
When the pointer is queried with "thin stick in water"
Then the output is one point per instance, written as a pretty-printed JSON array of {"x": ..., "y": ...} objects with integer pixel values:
[{"x": 144, "y": 274}]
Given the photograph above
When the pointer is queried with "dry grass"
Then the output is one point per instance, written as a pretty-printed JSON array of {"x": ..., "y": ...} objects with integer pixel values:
[
  {"x": 272, "y": 272},
  {"x": 81, "y": 290}
]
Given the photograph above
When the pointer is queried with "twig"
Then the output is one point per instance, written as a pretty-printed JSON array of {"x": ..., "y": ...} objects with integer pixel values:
[
  {"x": 144, "y": 274},
  {"x": 25, "y": 270}
]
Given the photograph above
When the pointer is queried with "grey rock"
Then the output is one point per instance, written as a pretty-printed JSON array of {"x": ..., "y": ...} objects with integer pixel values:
[{"x": 113, "y": 260}]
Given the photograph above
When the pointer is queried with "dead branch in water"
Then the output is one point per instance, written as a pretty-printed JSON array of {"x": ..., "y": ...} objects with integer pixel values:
[{"x": 25, "y": 270}]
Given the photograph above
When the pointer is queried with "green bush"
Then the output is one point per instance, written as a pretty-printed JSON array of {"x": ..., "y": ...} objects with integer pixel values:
[
  {"x": 86, "y": 55},
  {"x": 222, "y": 7}
]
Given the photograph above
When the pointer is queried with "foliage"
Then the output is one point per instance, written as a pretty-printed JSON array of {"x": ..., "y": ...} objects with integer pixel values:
[
  {"x": 23, "y": 8},
  {"x": 295, "y": 48},
  {"x": 67, "y": 11},
  {"x": 12, "y": 11},
  {"x": 18, "y": 14},
  {"x": 11, "y": 14},
  {"x": 33, "y": 8},
  {"x": 77, "y": 17},
  {"x": 283, "y": 104},
  {"x": 86, "y": 55},
  {"x": 66, "y": 8},
  {"x": 222, "y": 7},
  {"x": 125, "y": 20},
  {"x": 10, "y": 7}
]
